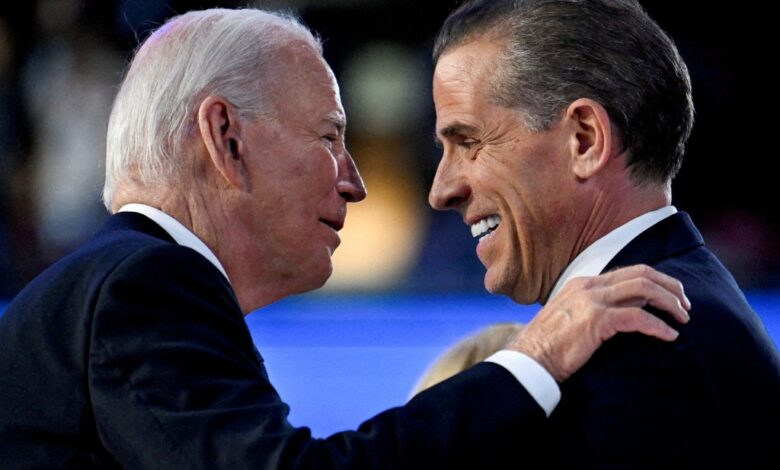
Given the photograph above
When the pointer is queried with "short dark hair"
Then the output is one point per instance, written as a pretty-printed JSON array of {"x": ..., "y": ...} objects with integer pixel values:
[{"x": 611, "y": 51}]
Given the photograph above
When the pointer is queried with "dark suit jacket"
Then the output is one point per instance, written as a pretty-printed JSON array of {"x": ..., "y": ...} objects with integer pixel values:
[
  {"x": 711, "y": 399},
  {"x": 133, "y": 352}
]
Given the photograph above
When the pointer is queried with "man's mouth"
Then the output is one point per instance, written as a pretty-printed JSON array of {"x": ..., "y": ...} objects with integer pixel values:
[
  {"x": 334, "y": 224},
  {"x": 484, "y": 227}
]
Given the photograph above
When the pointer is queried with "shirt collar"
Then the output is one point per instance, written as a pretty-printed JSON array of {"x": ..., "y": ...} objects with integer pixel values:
[
  {"x": 595, "y": 258},
  {"x": 181, "y": 234}
]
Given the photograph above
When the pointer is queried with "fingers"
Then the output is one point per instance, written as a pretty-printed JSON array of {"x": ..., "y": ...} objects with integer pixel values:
[
  {"x": 625, "y": 291},
  {"x": 588, "y": 311},
  {"x": 635, "y": 319},
  {"x": 642, "y": 291},
  {"x": 667, "y": 282},
  {"x": 641, "y": 285}
]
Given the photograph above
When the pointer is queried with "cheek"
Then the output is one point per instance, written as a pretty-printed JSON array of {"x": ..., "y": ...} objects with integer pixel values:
[
  {"x": 517, "y": 191},
  {"x": 322, "y": 173},
  {"x": 501, "y": 180},
  {"x": 309, "y": 176}
]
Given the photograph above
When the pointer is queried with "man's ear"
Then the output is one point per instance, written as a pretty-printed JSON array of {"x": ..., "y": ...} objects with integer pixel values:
[
  {"x": 220, "y": 130},
  {"x": 591, "y": 142}
]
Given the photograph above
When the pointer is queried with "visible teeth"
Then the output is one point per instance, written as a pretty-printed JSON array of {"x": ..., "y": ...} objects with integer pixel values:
[
  {"x": 478, "y": 228},
  {"x": 485, "y": 225}
]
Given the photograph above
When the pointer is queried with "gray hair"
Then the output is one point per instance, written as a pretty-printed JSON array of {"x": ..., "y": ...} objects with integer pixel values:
[
  {"x": 218, "y": 51},
  {"x": 611, "y": 51}
]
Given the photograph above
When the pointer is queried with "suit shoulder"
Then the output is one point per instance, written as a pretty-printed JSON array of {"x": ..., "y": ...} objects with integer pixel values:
[
  {"x": 161, "y": 268},
  {"x": 73, "y": 283}
]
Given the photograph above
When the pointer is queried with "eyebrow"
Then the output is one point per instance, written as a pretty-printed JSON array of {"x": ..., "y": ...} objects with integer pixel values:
[
  {"x": 337, "y": 119},
  {"x": 457, "y": 128}
]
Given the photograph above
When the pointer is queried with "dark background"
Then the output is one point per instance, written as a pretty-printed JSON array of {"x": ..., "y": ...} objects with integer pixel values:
[
  {"x": 725, "y": 182},
  {"x": 60, "y": 64}
]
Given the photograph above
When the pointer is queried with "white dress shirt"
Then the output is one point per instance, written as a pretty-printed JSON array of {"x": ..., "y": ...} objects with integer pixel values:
[{"x": 536, "y": 380}]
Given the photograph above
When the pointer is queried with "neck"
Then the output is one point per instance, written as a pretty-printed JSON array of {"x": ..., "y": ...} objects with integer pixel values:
[
  {"x": 611, "y": 209},
  {"x": 212, "y": 218}
]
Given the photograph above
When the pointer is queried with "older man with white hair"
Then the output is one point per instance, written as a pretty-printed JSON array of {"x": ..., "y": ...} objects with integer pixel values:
[{"x": 229, "y": 180}]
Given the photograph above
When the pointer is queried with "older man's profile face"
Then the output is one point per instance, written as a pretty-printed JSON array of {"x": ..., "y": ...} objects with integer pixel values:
[
  {"x": 511, "y": 185},
  {"x": 301, "y": 173}
]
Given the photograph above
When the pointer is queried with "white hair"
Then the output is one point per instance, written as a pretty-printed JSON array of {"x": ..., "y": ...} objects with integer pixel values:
[{"x": 217, "y": 51}]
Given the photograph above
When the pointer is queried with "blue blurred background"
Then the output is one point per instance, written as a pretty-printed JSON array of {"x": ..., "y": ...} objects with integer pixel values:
[{"x": 407, "y": 282}]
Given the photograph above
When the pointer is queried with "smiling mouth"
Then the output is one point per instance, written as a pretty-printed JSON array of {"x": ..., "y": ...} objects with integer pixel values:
[{"x": 485, "y": 227}]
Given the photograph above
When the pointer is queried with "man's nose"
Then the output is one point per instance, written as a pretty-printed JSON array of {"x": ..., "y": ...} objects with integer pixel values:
[
  {"x": 450, "y": 188},
  {"x": 350, "y": 184}
]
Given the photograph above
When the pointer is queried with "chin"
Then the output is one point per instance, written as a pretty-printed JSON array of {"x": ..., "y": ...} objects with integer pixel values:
[
  {"x": 319, "y": 276},
  {"x": 497, "y": 286},
  {"x": 320, "y": 282},
  {"x": 500, "y": 290},
  {"x": 509, "y": 286}
]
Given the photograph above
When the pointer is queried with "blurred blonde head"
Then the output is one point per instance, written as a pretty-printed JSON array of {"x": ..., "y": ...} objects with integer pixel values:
[{"x": 467, "y": 353}]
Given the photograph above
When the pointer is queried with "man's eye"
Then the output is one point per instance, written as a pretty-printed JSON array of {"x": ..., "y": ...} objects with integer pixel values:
[
  {"x": 468, "y": 143},
  {"x": 331, "y": 138}
]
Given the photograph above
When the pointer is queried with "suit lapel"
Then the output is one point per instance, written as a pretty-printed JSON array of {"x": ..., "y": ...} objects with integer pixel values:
[{"x": 671, "y": 236}]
